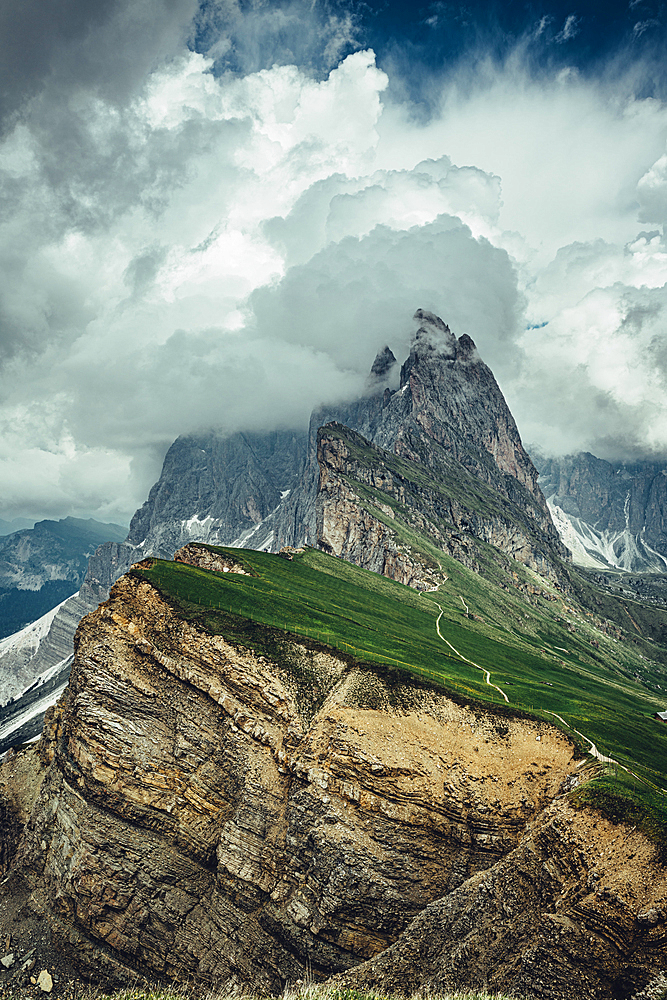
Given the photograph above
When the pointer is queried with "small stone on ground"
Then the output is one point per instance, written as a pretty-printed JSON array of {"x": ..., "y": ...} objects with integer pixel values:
[{"x": 44, "y": 981}]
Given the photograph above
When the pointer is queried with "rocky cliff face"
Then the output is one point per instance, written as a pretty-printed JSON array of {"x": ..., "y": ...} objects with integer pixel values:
[
  {"x": 610, "y": 514},
  {"x": 372, "y": 509},
  {"x": 35, "y": 663},
  {"x": 573, "y": 911},
  {"x": 199, "y": 812},
  {"x": 213, "y": 487},
  {"x": 218, "y": 488},
  {"x": 447, "y": 411}
]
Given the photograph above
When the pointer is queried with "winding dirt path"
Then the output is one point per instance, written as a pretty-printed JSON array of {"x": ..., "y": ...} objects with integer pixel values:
[
  {"x": 486, "y": 673},
  {"x": 593, "y": 750}
]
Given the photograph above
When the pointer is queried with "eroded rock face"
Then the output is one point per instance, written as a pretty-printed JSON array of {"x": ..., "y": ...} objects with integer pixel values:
[
  {"x": 346, "y": 528},
  {"x": 215, "y": 487},
  {"x": 563, "y": 915},
  {"x": 212, "y": 814},
  {"x": 614, "y": 514}
]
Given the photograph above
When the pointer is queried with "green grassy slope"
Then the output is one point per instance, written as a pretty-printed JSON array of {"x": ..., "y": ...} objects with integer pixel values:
[{"x": 525, "y": 642}]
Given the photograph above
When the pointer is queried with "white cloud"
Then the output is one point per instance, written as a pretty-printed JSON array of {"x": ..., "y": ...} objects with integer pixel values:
[
  {"x": 569, "y": 30},
  {"x": 342, "y": 206},
  {"x": 595, "y": 377},
  {"x": 202, "y": 244},
  {"x": 569, "y": 155}
]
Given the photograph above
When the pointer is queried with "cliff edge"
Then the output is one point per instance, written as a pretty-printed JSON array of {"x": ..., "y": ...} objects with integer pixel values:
[{"x": 199, "y": 811}]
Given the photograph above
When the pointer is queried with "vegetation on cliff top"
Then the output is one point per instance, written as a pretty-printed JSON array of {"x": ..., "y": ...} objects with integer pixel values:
[
  {"x": 622, "y": 799},
  {"x": 544, "y": 663}
]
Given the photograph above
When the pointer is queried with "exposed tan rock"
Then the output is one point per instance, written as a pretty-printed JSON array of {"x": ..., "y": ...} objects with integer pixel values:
[
  {"x": 559, "y": 917},
  {"x": 44, "y": 981},
  {"x": 199, "y": 555}
]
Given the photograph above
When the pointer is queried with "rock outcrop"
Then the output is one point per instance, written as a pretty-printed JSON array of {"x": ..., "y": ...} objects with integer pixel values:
[
  {"x": 197, "y": 811},
  {"x": 370, "y": 504},
  {"x": 204, "y": 557},
  {"x": 574, "y": 910}
]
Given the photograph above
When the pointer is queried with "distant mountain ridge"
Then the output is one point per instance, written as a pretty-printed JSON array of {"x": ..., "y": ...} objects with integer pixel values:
[
  {"x": 611, "y": 515},
  {"x": 43, "y": 565}
]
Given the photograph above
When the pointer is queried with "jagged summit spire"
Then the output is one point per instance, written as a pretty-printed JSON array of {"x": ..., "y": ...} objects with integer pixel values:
[
  {"x": 384, "y": 362},
  {"x": 432, "y": 335},
  {"x": 432, "y": 339},
  {"x": 466, "y": 349},
  {"x": 426, "y": 318}
]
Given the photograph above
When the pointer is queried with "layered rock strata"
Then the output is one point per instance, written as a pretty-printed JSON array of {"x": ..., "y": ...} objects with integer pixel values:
[
  {"x": 208, "y": 813},
  {"x": 579, "y": 908}
]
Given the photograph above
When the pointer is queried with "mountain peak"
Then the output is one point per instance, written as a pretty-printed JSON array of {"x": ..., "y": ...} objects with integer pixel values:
[
  {"x": 428, "y": 319},
  {"x": 432, "y": 340},
  {"x": 384, "y": 362},
  {"x": 432, "y": 336},
  {"x": 466, "y": 349}
]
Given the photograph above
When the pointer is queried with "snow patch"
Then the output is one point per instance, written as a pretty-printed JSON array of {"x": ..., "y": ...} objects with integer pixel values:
[
  {"x": 35, "y": 708},
  {"x": 195, "y": 524},
  {"x": 242, "y": 541}
]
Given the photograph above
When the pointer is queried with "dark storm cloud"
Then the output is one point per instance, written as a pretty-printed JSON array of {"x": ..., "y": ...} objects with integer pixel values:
[{"x": 106, "y": 45}]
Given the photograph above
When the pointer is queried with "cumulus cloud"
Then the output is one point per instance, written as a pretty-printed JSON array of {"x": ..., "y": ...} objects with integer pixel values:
[
  {"x": 603, "y": 363},
  {"x": 218, "y": 216},
  {"x": 358, "y": 293}
]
